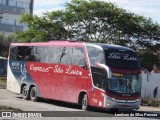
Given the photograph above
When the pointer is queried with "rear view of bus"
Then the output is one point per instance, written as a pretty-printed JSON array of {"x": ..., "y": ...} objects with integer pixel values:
[{"x": 116, "y": 76}]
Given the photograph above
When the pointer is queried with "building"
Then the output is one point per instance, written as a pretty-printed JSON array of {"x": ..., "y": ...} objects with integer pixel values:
[{"x": 10, "y": 13}]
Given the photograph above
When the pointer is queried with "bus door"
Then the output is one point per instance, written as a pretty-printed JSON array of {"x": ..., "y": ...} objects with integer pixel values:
[{"x": 99, "y": 76}]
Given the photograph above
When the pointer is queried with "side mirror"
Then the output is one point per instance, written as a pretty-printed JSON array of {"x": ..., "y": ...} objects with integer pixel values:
[{"x": 109, "y": 72}]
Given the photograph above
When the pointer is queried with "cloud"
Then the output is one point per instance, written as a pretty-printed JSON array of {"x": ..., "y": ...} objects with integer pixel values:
[
  {"x": 146, "y": 8},
  {"x": 43, "y": 3},
  {"x": 42, "y": 6},
  {"x": 39, "y": 12}
]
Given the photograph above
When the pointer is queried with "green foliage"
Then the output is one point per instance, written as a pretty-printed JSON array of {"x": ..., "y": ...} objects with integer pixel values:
[
  {"x": 37, "y": 29},
  {"x": 43, "y": 28},
  {"x": 5, "y": 42},
  {"x": 150, "y": 102},
  {"x": 93, "y": 21},
  {"x": 147, "y": 60},
  {"x": 4, "y": 45}
]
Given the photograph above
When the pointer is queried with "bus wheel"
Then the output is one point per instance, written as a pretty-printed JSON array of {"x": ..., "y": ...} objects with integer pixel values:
[
  {"x": 33, "y": 94},
  {"x": 85, "y": 102},
  {"x": 25, "y": 93}
]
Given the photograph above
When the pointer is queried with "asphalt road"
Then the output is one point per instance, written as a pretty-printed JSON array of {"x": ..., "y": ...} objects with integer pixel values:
[{"x": 54, "y": 109}]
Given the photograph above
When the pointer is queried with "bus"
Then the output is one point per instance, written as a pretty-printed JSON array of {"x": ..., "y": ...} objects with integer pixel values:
[
  {"x": 3, "y": 66},
  {"x": 89, "y": 74}
]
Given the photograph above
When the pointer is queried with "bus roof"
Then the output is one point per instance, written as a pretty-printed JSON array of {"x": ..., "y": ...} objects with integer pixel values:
[
  {"x": 50, "y": 43},
  {"x": 110, "y": 46},
  {"x": 73, "y": 43}
]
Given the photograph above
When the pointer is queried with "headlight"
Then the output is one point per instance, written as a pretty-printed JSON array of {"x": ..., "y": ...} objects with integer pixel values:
[
  {"x": 132, "y": 101},
  {"x": 111, "y": 98}
]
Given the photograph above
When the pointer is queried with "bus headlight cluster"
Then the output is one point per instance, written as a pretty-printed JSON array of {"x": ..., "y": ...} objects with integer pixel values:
[
  {"x": 132, "y": 101},
  {"x": 114, "y": 99},
  {"x": 122, "y": 101},
  {"x": 110, "y": 98}
]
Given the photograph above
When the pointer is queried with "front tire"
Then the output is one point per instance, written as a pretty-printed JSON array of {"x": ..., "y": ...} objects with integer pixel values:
[
  {"x": 33, "y": 94},
  {"x": 85, "y": 102},
  {"x": 25, "y": 93}
]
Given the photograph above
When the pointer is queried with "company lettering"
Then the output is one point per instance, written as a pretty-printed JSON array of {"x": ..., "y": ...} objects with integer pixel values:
[
  {"x": 122, "y": 56},
  {"x": 73, "y": 72},
  {"x": 40, "y": 69},
  {"x": 114, "y": 56},
  {"x": 127, "y": 57},
  {"x": 57, "y": 69}
]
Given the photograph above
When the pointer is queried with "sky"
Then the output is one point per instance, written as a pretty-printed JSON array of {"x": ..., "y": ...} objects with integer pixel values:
[{"x": 146, "y": 8}]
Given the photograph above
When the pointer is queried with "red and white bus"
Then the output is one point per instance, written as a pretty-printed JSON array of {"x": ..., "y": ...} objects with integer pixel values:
[{"x": 89, "y": 74}]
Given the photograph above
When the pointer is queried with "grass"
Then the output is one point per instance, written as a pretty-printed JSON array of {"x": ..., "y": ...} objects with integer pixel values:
[
  {"x": 3, "y": 83},
  {"x": 7, "y": 108},
  {"x": 150, "y": 102}
]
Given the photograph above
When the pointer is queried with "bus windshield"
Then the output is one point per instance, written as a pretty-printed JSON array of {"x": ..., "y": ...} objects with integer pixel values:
[{"x": 125, "y": 83}]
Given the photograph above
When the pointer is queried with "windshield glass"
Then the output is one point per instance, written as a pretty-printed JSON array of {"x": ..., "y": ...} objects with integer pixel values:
[{"x": 125, "y": 83}]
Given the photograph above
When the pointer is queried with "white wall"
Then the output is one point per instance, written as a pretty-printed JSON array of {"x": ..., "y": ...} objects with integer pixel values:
[{"x": 149, "y": 84}]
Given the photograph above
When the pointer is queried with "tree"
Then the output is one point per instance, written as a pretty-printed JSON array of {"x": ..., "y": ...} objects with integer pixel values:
[
  {"x": 93, "y": 21},
  {"x": 105, "y": 22},
  {"x": 4, "y": 44},
  {"x": 43, "y": 28}
]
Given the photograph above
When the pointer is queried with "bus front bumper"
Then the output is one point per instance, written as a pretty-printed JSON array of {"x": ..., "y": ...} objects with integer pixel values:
[{"x": 113, "y": 103}]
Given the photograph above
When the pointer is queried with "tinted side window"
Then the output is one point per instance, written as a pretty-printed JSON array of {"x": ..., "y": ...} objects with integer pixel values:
[
  {"x": 99, "y": 78},
  {"x": 29, "y": 54},
  {"x": 40, "y": 54},
  {"x": 95, "y": 55},
  {"x": 54, "y": 54},
  {"x": 78, "y": 57},
  {"x": 13, "y": 52},
  {"x": 66, "y": 56},
  {"x": 21, "y": 53}
]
